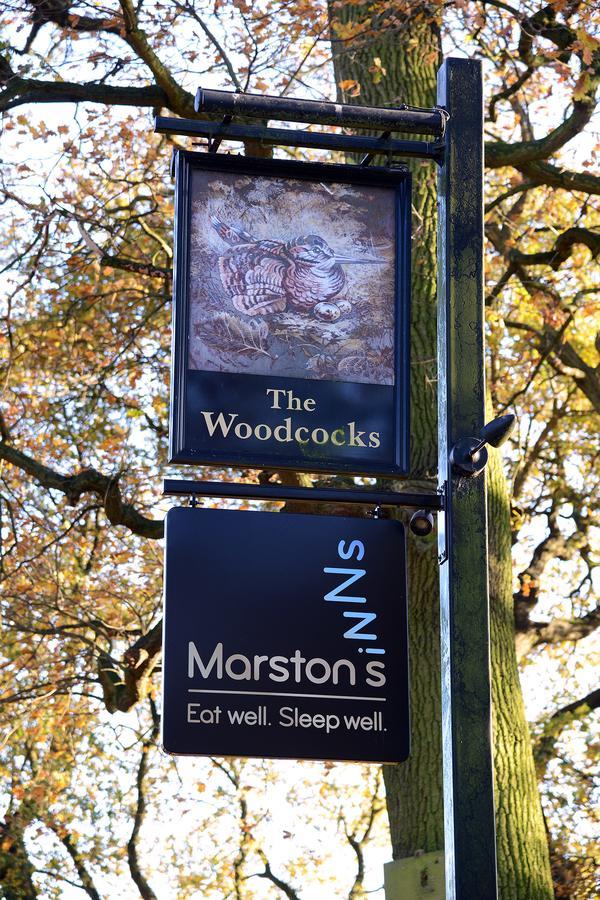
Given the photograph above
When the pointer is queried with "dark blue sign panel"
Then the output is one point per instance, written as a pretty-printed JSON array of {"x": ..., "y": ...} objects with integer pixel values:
[
  {"x": 290, "y": 312},
  {"x": 285, "y": 636}
]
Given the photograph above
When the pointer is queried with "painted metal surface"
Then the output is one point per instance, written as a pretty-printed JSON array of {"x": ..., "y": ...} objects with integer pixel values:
[
  {"x": 470, "y": 846},
  {"x": 293, "y": 137},
  {"x": 318, "y": 112},
  {"x": 178, "y": 487},
  {"x": 284, "y": 636}
]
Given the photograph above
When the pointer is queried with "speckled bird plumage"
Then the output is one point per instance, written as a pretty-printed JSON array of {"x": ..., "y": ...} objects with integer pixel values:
[{"x": 267, "y": 276}]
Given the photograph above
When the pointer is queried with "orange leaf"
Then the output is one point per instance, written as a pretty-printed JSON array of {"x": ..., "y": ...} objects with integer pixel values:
[{"x": 350, "y": 87}]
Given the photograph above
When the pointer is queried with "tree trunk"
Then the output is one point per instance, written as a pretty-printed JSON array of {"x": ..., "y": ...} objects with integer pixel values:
[
  {"x": 411, "y": 56},
  {"x": 16, "y": 871},
  {"x": 409, "y": 51},
  {"x": 523, "y": 858}
]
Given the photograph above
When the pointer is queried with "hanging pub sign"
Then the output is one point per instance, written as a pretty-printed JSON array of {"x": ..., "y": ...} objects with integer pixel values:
[
  {"x": 291, "y": 321},
  {"x": 284, "y": 636}
]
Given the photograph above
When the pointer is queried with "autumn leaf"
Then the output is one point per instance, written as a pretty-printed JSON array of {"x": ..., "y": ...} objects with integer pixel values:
[{"x": 350, "y": 87}]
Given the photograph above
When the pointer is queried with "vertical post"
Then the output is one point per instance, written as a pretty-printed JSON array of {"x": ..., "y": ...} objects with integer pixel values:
[{"x": 470, "y": 844}]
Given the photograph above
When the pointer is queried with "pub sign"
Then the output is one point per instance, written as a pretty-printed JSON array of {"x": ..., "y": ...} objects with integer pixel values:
[
  {"x": 285, "y": 636},
  {"x": 291, "y": 315}
]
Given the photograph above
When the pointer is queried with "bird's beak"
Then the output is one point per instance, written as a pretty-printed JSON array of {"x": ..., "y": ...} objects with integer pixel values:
[{"x": 359, "y": 259}]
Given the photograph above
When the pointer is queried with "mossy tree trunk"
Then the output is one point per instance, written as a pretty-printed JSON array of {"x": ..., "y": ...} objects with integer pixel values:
[
  {"x": 411, "y": 57},
  {"x": 523, "y": 857},
  {"x": 409, "y": 51}
]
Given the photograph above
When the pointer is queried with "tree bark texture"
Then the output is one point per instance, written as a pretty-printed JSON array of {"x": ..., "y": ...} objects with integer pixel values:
[
  {"x": 523, "y": 860},
  {"x": 16, "y": 871},
  {"x": 411, "y": 56},
  {"x": 409, "y": 51}
]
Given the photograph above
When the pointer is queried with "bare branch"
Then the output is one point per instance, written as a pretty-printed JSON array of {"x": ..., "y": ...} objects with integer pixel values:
[
  {"x": 533, "y": 454},
  {"x": 58, "y": 13},
  {"x": 562, "y": 355},
  {"x": 508, "y": 92},
  {"x": 555, "y": 545},
  {"x": 517, "y": 189},
  {"x": 268, "y": 873},
  {"x": 544, "y": 350},
  {"x": 519, "y": 153},
  {"x": 66, "y": 839},
  {"x": 179, "y": 100},
  {"x": 137, "y": 875},
  {"x": 191, "y": 11},
  {"x": 543, "y": 24}
]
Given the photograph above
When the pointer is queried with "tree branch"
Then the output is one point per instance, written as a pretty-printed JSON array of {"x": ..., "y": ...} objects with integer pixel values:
[
  {"x": 544, "y": 353},
  {"x": 86, "y": 481},
  {"x": 556, "y": 631},
  {"x": 123, "y": 262},
  {"x": 555, "y": 176},
  {"x": 561, "y": 251},
  {"x": 508, "y": 91},
  {"x": 171, "y": 94},
  {"x": 283, "y": 886},
  {"x": 58, "y": 13},
  {"x": 142, "y": 885},
  {"x": 519, "y": 153},
  {"x": 125, "y": 684},
  {"x": 555, "y": 545},
  {"x": 517, "y": 189},
  {"x": 543, "y": 749},
  {"x": 533, "y": 453},
  {"x": 550, "y": 343},
  {"x": 190, "y": 9},
  {"x": 543, "y": 24},
  {"x": 180, "y": 101},
  {"x": 17, "y": 91},
  {"x": 66, "y": 839},
  {"x": 563, "y": 354}
]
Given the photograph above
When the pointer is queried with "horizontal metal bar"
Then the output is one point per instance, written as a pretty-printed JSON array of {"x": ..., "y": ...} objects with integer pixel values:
[
  {"x": 174, "y": 487},
  {"x": 294, "y": 137},
  {"x": 317, "y": 112}
]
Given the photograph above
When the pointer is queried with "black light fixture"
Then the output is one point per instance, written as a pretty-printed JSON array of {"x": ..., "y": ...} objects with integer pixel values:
[
  {"x": 421, "y": 523},
  {"x": 469, "y": 456}
]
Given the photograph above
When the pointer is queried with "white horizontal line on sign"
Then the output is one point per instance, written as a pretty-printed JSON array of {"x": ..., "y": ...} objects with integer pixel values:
[{"x": 276, "y": 694}]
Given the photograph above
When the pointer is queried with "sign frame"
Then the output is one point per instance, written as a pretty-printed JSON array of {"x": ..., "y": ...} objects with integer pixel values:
[{"x": 397, "y": 181}]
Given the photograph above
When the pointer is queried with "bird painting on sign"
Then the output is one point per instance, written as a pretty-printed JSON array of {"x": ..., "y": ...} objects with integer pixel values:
[
  {"x": 267, "y": 276},
  {"x": 292, "y": 278}
]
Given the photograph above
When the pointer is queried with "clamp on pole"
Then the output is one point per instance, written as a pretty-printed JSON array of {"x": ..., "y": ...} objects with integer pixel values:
[{"x": 469, "y": 455}]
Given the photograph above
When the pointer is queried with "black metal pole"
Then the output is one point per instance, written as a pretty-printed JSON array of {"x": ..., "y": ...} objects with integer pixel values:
[
  {"x": 317, "y": 112},
  {"x": 470, "y": 842},
  {"x": 174, "y": 487},
  {"x": 294, "y": 137}
]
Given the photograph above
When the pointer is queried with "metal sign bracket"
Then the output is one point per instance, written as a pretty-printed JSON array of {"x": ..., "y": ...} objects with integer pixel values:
[
  {"x": 177, "y": 487},
  {"x": 455, "y": 127}
]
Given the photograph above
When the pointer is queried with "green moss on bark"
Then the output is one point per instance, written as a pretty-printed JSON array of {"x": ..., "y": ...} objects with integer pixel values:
[{"x": 409, "y": 51}]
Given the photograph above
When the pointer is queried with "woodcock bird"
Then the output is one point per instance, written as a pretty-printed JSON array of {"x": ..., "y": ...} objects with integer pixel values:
[{"x": 266, "y": 276}]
